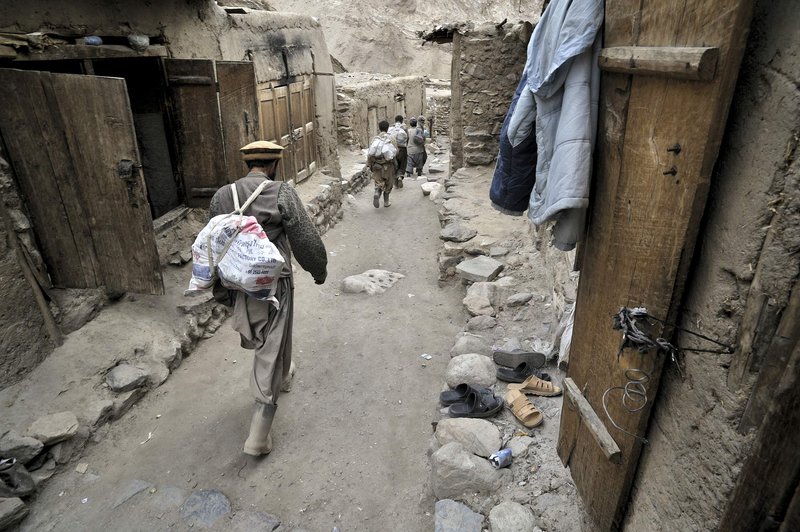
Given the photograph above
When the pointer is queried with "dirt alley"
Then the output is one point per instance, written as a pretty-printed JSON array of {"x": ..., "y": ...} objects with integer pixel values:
[{"x": 351, "y": 436}]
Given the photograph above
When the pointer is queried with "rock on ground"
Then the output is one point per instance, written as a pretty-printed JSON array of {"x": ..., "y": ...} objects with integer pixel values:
[
  {"x": 457, "y": 232},
  {"x": 23, "y": 448},
  {"x": 479, "y": 269},
  {"x": 481, "y": 323},
  {"x": 97, "y": 412},
  {"x": 54, "y": 428},
  {"x": 478, "y": 300},
  {"x": 124, "y": 378},
  {"x": 471, "y": 368},
  {"x": 511, "y": 517},
  {"x": 497, "y": 251},
  {"x": 519, "y": 446},
  {"x": 12, "y": 511},
  {"x": 203, "y": 508},
  {"x": 519, "y": 299},
  {"x": 477, "y": 436},
  {"x": 452, "y": 516},
  {"x": 429, "y": 188},
  {"x": 454, "y": 472},
  {"x": 371, "y": 281},
  {"x": 470, "y": 343}
]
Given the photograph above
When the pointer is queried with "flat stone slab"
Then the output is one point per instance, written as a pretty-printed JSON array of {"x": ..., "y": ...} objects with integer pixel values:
[
  {"x": 481, "y": 323},
  {"x": 479, "y": 269},
  {"x": 497, "y": 251},
  {"x": 457, "y": 232},
  {"x": 12, "y": 511},
  {"x": 23, "y": 448},
  {"x": 54, "y": 428},
  {"x": 519, "y": 299},
  {"x": 124, "y": 378},
  {"x": 203, "y": 508},
  {"x": 452, "y": 516},
  {"x": 371, "y": 281}
]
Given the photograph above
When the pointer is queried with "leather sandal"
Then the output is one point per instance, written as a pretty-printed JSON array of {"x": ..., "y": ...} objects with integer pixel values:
[
  {"x": 514, "y": 358},
  {"x": 477, "y": 405},
  {"x": 533, "y": 385},
  {"x": 523, "y": 409},
  {"x": 520, "y": 373}
]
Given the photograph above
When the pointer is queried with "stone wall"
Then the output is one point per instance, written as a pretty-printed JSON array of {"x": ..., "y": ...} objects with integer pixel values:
[
  {"x": 358, "y": 93},
  {"x": 487, "y": 65},
  {"x": 438, "y": 109},
  {"x": 751, "y": 227}
]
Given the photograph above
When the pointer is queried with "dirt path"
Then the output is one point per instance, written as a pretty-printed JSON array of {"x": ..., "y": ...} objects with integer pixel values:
[{"x": 350, "y": 438}]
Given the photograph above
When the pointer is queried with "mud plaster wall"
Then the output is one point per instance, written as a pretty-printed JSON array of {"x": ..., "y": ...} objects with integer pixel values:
[
  {"x": 24, "y": 341},
  {"x": 355, "y": 99},
  {"x": 690, "y": 466},
  {"x": 487, "y": 65},
  {"x": 201, "y": 29}
]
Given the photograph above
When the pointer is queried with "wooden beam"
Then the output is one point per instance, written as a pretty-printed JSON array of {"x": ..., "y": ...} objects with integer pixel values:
[
  {"x": 83, "y": 51},
  {"x": 592, "y": 420},
  {"x": 692, "y": 63}
]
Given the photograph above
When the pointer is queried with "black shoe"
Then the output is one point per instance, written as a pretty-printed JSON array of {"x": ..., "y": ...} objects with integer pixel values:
[
  {"x": 376, "y": 198},
  {"x": 386, "y": 202},
  {"x": 520, "y": 373},
  {"x": 512, "y": 359},
  {"x": 399, "y": 182}
]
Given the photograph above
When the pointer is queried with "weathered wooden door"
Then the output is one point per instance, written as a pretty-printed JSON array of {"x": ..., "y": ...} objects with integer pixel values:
[
  {"x": 663, "y": 109},
  {"x": 273, "y": 110},
  {"x": 238, "y": 108},
  {"x": 301, "y": 107},
  {"x": 72, "y": 144}
]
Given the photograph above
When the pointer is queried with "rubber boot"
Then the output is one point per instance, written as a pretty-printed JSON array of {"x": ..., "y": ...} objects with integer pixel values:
[
  {"x": 15, "y": 481},
  {"x": 399, "y": 181},
  {"x": 260, "y": 440},
  {"x": 386, "y": 202},
  {"x": 376, "y": 198}
]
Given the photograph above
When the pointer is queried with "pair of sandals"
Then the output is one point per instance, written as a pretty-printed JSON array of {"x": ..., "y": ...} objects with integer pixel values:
[
  {"x": 521, "y": 368},
  {"x": 467, "y": 400}
]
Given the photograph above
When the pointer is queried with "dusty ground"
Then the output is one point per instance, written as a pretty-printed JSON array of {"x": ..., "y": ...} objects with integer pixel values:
[{"x": 350, "y": 438}]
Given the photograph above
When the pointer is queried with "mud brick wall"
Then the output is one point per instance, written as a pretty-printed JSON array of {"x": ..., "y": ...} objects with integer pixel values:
[
  {"x": 24, "y": 341},
  {"x": 357, "y": 93},
  {"x": 487, "y": 65},
  {"x": 751, "y": 226}
]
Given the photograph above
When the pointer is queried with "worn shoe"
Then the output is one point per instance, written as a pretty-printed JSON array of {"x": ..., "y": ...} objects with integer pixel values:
[
  {"x": 533, "y": 385},
  {"x": 260, "y": 440},
  {"x": 512, "y": 359},
  {"x": 386, "y": 202},
  {"x": 520, "y": 373},
  {"x": 399, "y": 182},
  {"x": 376, "y": 198}
]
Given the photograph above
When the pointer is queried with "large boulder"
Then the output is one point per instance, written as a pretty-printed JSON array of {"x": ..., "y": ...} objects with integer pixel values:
[
  {"x": 471, "y": 368},
  {"x": 478, "y": 436},
  {"x": 452, "y": 516},
  {"x": 455, "y": 472},
  {"x": 511, "y": 517}
]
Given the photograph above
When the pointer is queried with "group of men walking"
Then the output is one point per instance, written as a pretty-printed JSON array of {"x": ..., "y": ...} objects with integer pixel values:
[{"x": 396, "y": 153}]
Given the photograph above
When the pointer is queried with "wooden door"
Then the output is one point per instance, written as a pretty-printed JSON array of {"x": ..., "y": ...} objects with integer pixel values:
[
  {"x": 72, "y": 144},
  {"x": 238, "y": 112},
  {"x": 308, "y": 120},
  {"x": 302, "y": 116},
  {"x": 273, "y": 110},
  {"x": 196, "y": 123},
  {"x": 662, "y": 116}
]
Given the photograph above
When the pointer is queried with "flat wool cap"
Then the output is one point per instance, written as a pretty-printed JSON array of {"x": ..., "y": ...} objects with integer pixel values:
[{"x": 261, "y": 150}]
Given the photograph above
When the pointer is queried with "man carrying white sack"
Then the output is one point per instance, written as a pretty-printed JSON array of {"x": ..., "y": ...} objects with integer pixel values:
[{"x": 262, "y": 326}]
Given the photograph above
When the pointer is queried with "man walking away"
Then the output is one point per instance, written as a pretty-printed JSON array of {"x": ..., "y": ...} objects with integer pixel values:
[
  {"x": 263, "y": 326},
  {"x": 380, "y": 160},
  {"x": 400, "y": 135},
  {"x": 416, "y": 148},
  {"x": 426, "y": 134}
]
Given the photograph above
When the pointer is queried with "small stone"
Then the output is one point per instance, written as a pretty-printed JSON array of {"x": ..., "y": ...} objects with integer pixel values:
[
  {"x": 428, "y": 188},
  {"x": 479, "y": 269},
  {"x": 124, "y": 378},
  {"x": 23, "y": 448},
  {"x": 97, "y": 412},
  {"x": 455, "y": 472},
  {"x": 519, "y": 446},
  {"x": 452, "y": 516},
  {"x": 511, "y": 517},
  {"x": 203, "y": 508},
  {"x": 54, "y": 428},
  {"x": 478, "y": 300},
  {"x": 470, "y": 368},
  {"x": 12, "y": 511},
  {"x": 478, "y": 436},
  {"x": 81, "y": 468},
  {"x": 481, "y": 323},
  {"x": 371, "y": 281},
  {"x": 456, "y": 232},
  {"x": 133, "y": 488},
  {"x": 474, "y": 251},
  {"x": 519, "y": 299},
  {"x": 498, "y": 251},
  {"x": 470, "y": 343}
]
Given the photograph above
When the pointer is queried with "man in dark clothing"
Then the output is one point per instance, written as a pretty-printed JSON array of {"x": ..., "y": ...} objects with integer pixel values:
[
  {"x": 399, "y": 133},
  {"x": 263, "y": 326}
]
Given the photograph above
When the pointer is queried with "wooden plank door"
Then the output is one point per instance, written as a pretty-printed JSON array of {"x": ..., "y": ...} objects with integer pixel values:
[
  {"x": 648, "y": 200},
  {"x": 238, "y": 112},
  {"x": 297, "y": 110},
  {"x": 309, "y": 133},
  {"x": 73, "y": 148},
  {"x": 273, "y": 109},
  {"x": 196, "y": 122}
]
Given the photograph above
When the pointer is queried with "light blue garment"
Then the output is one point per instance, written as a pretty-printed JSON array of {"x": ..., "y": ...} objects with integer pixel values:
[{"x": 564, "y": 78}]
